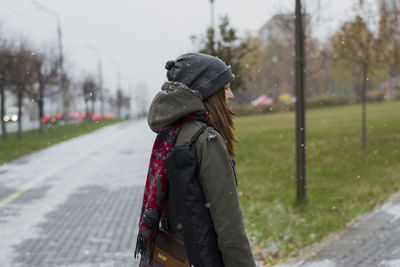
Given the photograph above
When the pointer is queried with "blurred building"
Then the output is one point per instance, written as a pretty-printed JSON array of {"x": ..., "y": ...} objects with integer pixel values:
[
  {"x": 278, "y": 38},
  {"x": 281, "y": 27}
]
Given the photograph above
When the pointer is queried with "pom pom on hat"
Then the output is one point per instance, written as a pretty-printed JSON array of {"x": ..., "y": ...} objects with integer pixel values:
[{"x": 170, "y": 64}]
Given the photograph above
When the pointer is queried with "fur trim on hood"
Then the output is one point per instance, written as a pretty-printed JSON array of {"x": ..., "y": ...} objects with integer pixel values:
[{"x": 174, "y": 101}]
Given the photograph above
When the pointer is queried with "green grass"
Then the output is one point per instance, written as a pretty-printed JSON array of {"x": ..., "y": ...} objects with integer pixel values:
[
  {"x": 343, "y": 180},
  {"x": 13, "y": 147}
]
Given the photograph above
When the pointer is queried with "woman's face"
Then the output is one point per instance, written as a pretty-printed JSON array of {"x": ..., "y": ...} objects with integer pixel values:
[{"x": 228, "y": 93}]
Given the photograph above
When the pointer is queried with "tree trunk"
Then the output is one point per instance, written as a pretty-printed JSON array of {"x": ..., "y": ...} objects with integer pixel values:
[
  {"x": 93, "y": 106},
  {"x": 20, "y": 99},
  {"x": 65, "y": 99},
  {"x": 87, "y": 109},
  {"x": 119, "y": 111},
  {"x": 40, "y": 106},
  {"x": 363, "y": 104},
  {"x": 41, "y": 115},
  {"x": 3, "y": 113}
]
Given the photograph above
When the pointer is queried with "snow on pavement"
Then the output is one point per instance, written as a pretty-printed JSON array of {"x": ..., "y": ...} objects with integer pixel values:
[{"x": 113, "y": 157}]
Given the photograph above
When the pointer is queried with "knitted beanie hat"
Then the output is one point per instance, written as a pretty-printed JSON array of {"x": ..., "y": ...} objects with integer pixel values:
[{"x": 204, "y": 73}]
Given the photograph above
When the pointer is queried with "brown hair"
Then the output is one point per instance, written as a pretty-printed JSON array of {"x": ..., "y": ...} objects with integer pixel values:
[{"x": 220, "y": 116}]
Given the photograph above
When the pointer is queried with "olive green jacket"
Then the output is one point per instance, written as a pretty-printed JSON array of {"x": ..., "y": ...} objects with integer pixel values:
[{"x": 216, "y": 173}]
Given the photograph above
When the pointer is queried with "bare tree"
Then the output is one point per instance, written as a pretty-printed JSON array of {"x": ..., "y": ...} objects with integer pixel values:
[
  {"x": 119, "y": 101},
  {"x": 45, "y": 68},
  {"x": 22, "y": 77},
  {"x": 141, "y": 98},
  {"x": 89, "y": 90},
  {"x": 6, "y": 59}
]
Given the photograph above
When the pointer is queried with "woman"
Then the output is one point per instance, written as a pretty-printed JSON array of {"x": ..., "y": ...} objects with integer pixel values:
[{"x": 196, "y": 94}]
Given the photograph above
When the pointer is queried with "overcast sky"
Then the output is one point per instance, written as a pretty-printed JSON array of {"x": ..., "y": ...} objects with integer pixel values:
[{"x": 142, "y": 35}]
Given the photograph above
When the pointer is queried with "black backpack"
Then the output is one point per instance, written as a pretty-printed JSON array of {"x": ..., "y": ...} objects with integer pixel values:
[{"x": 191, "y": 206}]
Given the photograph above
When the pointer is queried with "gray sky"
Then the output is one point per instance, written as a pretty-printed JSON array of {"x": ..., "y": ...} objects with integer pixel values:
[{"x": 142, "y": 35}]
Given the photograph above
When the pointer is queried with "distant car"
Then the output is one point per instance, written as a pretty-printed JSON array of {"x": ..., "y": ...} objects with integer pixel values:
[
  {"x": 110, "y": 116},
  {"x": 97, "y": 117},
  {"x": 52, "y": 118},
  {"x": 87, "y": 115},
  {"x": 74, "y": 116},
  {"x": 11, "y": 114}
]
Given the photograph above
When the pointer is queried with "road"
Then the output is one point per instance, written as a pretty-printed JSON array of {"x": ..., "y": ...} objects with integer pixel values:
[
  {"x": 76, "y": 203},
  {"x": 27, "y": 124}
]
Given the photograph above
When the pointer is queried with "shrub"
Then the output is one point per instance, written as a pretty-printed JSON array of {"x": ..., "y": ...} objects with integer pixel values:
[
  {"x": 329, "y": 101},
  {"x": 314, "y": 102},
  {"x": 245, "y": 109},
  {"x": 375, "y": 96}
]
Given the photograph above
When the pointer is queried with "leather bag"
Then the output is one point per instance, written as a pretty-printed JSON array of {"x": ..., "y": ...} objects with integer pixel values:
[{"x": 168, "y": 252}]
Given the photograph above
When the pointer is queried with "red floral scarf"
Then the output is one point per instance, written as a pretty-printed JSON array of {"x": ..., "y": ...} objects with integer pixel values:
[{"x": 156, "y": 186}]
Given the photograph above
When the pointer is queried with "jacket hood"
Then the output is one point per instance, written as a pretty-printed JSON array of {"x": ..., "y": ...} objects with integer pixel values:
[{"x": 174, "y": 101}]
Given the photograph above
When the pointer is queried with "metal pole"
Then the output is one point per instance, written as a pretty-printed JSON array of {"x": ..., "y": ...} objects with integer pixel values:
[
  {"x": 60, "y": 56},
  {"x": 101, "y": 88},
  {"x": 300, "y": 107},
  {"x": 118, "y": 73},
  {"x": 100, "y": 77},
  {"x": 62, "y": 73},
  {"x": 212, "y": 14}
]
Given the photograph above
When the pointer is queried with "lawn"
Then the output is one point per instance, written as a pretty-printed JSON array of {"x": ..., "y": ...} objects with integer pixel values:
[
  {"x": 13, "y": 147},
  {"x": 343, "y": 180}
]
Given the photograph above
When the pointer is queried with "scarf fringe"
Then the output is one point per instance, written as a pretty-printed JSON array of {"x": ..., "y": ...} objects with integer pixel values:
[{"x": 144, "y": 247}]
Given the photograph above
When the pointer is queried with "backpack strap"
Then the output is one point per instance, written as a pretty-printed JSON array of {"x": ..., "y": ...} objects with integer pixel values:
[{"x": 198, "y": 133}]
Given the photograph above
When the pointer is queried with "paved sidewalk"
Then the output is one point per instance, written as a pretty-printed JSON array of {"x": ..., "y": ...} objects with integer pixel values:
[
  {"x": 372, "y": 240},
  {"x": 76, "y": 203},
  {"x": 94, "y": 227}
]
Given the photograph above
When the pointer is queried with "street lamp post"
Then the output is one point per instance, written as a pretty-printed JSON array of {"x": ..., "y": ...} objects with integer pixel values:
[
  {"x": 60, "y": 54},
  {"x": 300, "y": 108},
  {"x": 100, "y": 76},
  {"x": 118, "y": 76},
  {"x": 118, "y": 72},
  {"x": 212, "y": 13}
]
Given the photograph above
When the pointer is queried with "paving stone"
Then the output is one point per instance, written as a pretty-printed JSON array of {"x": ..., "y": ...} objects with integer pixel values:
[
  {"x": 374, "y": 241},
  {"x": 94, "y": 226}
]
